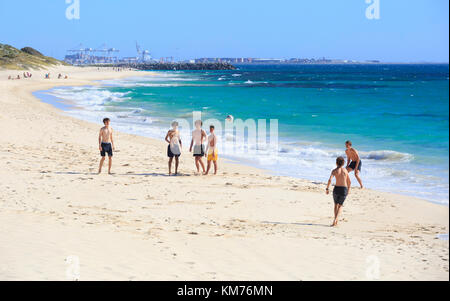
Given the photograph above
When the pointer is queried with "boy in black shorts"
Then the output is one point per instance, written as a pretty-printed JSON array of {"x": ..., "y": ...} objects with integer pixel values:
[
  {"x": 174, "y": 147},
  {"x": 353, "y": 161},
  {"x": 105, "y": 144},
  {"x": 342, "y": 188}
]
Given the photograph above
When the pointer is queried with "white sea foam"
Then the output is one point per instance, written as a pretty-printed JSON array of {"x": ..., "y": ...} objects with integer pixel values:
[{"x": 91, "y": 96}]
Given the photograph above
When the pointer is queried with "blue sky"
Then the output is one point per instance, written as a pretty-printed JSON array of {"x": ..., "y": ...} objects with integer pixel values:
[{"x": 407, "y": 31}]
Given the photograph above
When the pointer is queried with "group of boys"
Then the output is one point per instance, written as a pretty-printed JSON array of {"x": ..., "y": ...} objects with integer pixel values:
[{"x": 199, "y": 137}]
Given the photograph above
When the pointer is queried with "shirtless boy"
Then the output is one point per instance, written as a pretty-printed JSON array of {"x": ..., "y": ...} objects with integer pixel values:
[
  {"x": 106, "y": 144},
  {"x": 174, "y": 147},
  {"x": 353, "y": 161},
  {"x": 211, "y": 151},
  {"x": 342, "y": 188},
  {"x": 198, "y": 136}
]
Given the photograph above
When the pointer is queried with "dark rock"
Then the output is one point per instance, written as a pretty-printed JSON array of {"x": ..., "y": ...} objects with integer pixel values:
[{"x": 31, "y": 51}]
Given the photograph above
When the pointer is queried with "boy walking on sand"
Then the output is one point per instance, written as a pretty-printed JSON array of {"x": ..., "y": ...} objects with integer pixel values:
[
  {"x": 353, "y": 161},
  {"x": 211, "y": 150},
  {"x": 174, "y": 147},
  {"x": 341, "y": 189},
  {"x": 106, "y": 144}
]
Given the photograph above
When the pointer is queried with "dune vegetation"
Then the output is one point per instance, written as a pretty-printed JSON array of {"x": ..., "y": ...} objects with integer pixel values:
[{"x": 25, "y": 59}]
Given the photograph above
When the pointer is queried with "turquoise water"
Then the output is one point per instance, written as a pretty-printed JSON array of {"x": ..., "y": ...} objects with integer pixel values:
[{"x": 396, "y": 115}]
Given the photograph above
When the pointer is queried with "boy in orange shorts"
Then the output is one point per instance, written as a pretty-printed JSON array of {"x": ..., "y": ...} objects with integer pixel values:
[{"x": 211, "y": 150}]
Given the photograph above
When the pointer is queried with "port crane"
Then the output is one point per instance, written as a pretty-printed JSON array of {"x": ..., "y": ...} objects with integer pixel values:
[{"x": 142, "y": 55}]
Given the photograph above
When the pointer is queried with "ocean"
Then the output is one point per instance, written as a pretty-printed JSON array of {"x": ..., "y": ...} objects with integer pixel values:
[{"x": 397, "y": 117}]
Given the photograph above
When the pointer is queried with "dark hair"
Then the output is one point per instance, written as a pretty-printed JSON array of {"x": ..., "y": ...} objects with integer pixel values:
[
  {"x": 340, "y": 161},
  {"x": 348, "y": 142},
  {"x": 211, "y": 126},
  {"x": 105, "y": 120}
]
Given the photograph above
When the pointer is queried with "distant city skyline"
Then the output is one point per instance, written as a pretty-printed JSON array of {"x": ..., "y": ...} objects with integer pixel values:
[{"x": 406, "y": 31}]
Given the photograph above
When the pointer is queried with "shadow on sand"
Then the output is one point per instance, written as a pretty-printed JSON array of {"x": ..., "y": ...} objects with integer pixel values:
[
  {"x": 296, "y": 224},
  {"x": 74, "y": 173},
  {"x": 153, "y": 174}
]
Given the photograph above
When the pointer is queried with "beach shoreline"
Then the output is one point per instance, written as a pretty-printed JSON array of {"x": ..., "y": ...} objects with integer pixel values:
[
  {"x": 309, "y": 139},
  {"x": 228, "y": 227}
]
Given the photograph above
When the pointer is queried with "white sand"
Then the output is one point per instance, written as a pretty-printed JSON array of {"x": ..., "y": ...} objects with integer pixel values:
[{"x": 140, "y": 224}]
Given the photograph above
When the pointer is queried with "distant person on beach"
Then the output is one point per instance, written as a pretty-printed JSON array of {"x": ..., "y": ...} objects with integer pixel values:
[
  {"x": 353, "y": 161},
  {"x": 211, "y": 150},
  {"x": 198, "y": 137},
  {"x": 341, "y": 189},
  {"x": 106, "y": 144},
  {"x": 174, "y": 147}
]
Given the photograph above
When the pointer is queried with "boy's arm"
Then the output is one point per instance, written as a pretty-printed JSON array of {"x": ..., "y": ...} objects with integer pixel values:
[
  {"x": 357, "y": 160},
  {"x": 349, "y": 183},
  {"x": 348, "y": 160},
  {"x": 190, "y": 147},
  {"x": 100, "y": 140},
  {"x": 214, "y": 143},
  {"x": 329, "y": 182},
  {"x": 167, "y": 137},
  {"x": 112, "y": 140},
  {"x": 204, "y": 136}
]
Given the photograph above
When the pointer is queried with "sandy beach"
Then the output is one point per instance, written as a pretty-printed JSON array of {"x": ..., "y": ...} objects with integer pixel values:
[{"x": 140, "y": 224}]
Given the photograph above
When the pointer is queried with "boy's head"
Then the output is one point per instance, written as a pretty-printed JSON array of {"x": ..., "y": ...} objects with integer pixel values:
[
  {"x": 198, "y": 124},
  {"x": 348, "y": 144},
  {"x": 211, "y": 129},
  {"x": 340, "y": 161},
  {"x": 174, "y": 125},
  {"x": 106, "y": 121}
]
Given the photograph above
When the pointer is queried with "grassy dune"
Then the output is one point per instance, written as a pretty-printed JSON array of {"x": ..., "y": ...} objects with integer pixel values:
[{"x": 25, "y": 59}]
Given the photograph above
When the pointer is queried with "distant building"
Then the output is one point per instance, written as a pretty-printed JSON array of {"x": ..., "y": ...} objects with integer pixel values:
[
  {"x": 129, "y": 60},
  {"x": 268, "y": 61}
]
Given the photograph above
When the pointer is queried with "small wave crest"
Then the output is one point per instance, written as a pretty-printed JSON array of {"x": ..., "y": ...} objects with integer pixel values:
[
  {"x": 89, "y": 96},
  {"x": 387, "y": 155}
]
